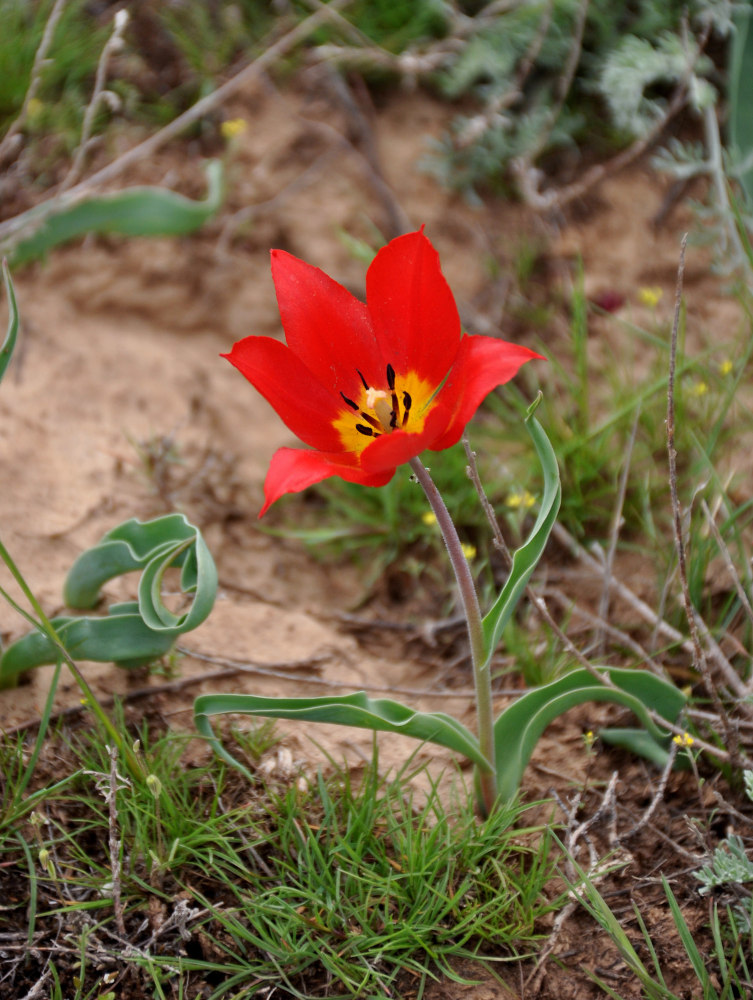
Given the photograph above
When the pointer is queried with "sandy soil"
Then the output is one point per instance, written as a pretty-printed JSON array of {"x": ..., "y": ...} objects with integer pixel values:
[{"x": 119, "y": 355}]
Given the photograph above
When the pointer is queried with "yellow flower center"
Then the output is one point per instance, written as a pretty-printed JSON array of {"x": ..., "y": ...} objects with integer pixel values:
[{"x": 402, "y": 404}]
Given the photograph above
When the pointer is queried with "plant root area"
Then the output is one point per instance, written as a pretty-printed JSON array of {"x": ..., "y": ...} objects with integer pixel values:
[{"x": 118, "y": 405}]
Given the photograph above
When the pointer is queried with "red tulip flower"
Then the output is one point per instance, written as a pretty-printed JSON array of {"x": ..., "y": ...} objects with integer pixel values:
[{"x": 369, "y": 386}]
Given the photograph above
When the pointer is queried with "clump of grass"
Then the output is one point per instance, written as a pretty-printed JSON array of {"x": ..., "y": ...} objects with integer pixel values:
[{"x": 330, "y": 885}]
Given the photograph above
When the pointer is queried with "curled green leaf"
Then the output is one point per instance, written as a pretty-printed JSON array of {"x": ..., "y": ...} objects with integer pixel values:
[{"x": 134, "y": 632}]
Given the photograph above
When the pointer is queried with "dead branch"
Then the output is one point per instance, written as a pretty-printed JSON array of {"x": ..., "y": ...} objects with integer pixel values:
[
  {"x": 10, "y": 143},
  {"x": 700, "y": 662}
]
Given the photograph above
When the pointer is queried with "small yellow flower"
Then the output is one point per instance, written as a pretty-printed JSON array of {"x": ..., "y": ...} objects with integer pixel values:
[
  {"x": 469, "y": 551},
  {"x": 429, "y": 518},
  {"x": 650, "y": 296},
  {"x": 699, "y": 389},
  {"x": 233, "y": 127},
  {"x": 725, "y": 368},
  {"x": 589, "y": 739},
  {"x": 686, "y": 740},
  {"x": 34, "y": 109},
  {"x": 521, "y": 500}
]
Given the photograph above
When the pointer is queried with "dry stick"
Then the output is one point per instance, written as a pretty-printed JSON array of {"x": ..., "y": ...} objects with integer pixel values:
[
  {"x": 700, "y": 662},
  {"x": 607, "y": 804},
  {"x": 249, "y": 212},
  {"x": 111, "y": 797},
  {"x": 558, "y": 198},
  {"x": 264, "y": 672},
  {"x": 658, "y": 795},
  {"x": 398, "y": 221},
  {"x": 114, "y": 42},
  {"x": 231, "y": 668},
  {"x": 541, "y": 607},
  {"x": 621, "y": 637},
  {"x": 614, "y": 533},
  {"x": 727, "y": 558},
  {"x": 8, "y": 143},
  {"x": 202, "y": 107},
  {"x": 167, "y": 687},
  {"x": 731, "y": 677}
]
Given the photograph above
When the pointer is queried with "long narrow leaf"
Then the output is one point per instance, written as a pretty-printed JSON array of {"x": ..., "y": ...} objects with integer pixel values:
[
  {"x": 527, "y": 556},
  {"x": 740, "y": 125},
  {"x": 6, "y": 351},
  {"x": 136, "y": 211},
  {"x": 357, "y": 709}
]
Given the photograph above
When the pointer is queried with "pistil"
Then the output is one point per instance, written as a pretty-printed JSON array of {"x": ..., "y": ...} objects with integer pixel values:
[
  {"x": 381, "y": 404},
  {"x": 382, "y": 410}
]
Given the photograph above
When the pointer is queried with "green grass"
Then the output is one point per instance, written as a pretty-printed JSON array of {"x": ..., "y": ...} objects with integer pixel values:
[{"x": 340, "y": 885}]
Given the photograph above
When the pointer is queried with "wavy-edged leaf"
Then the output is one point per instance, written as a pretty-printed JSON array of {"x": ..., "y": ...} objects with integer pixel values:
[
  {"x": 121, "y": 637},
  {"x": 135, "y": 211},
  {"x": 381, "y": 715},
  {"x": 527, "y": 556},
  {"x": 134, "y": 632},
  {"x": 153, "y": 547},
  {"x": 6, "y": 351},
  {"x": 519, "y": 728}
]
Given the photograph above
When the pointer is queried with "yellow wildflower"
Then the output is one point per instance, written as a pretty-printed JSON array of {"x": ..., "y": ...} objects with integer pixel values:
[
  {"x": 233, "y": 127},
  {"x": 429, "y": 518},
  {"x": 469, "y": 551},
  {"x": 34, "y": 109},
  {"x": 686, "y": 740},
  {"x": 699, "y": 389},
  {"x": 725, "y": 368},
  {"x": 521, "y": 500},
  {"x": 650, "y": 296}
]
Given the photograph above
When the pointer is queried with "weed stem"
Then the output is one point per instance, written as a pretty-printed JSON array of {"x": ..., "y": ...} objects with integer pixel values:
[{"x": 472, "y": 610}]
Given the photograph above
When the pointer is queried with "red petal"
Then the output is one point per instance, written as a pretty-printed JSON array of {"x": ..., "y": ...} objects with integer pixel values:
[
  {"x": 327, "y": 327},
  {"x": 391, "y": 450},
  {"x": 482, "y": 364},
  {"x": 292, "y": 470},
  {"x": 306, "y": 407},
  {"x": 415, "y": 317}
]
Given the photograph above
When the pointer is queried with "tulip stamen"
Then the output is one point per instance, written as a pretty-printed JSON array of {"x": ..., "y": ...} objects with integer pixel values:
[
  {"x": 407, "y": 403},
  {"x": 371, "y": 420},
  {"x": 381, "y": 410}
]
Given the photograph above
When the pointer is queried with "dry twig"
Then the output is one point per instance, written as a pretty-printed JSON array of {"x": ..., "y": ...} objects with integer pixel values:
[
  {"x": 614, "y": 532},
  {"x": 114, "y": 841},
  {"x": 10, "y": 141},
  {"x": 203, "y": 107},
  {"x": 112, "y": 45},
  {"x": 700, "y": 662}
]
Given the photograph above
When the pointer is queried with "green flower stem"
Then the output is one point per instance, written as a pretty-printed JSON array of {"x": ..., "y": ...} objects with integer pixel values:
[
  {"x": 47, "y": 627},
  {"x": 472, "y": 611}
]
